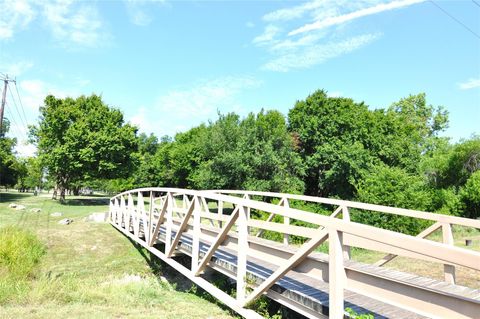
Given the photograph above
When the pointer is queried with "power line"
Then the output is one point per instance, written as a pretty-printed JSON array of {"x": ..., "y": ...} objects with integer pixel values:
[
  {"x": 21, "y": 104},
  {"x": 11, "y": 119},
  {"x": 478, "y": 4},
  {"x": 455, "y": 19},
  {"x": 23, "y": 120}
]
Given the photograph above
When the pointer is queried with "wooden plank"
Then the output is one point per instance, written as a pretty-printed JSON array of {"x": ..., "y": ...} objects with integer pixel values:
[
  {"x": 282, "y": 228},
  {"x": 337, "y": 276},
  {"x": 286, "y": 221},
  {"x": 448, "y": 269},
  {"x": 425, "y": 233},
  {"x": 196, "y": 233},
  {"x": 242, "y": 229}
]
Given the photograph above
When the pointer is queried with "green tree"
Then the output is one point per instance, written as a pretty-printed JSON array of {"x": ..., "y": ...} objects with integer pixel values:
[
  {"x": 81, "y": 139},
  {"x": 255, "y": 153},
  {"x": 392, "y": 186},
  {"x": 8, "y": 162},
  {"x": 470, "y": 195},
  {"x": 340, "y": 140}
]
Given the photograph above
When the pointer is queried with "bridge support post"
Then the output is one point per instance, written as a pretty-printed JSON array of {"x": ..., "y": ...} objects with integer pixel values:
[
  {"x": 448, "y": 270},
  {"x": 196, "y": 233},
  {"x": 337, "y": 276},
  {"x": 286, "y": 221},
  {"x": 169, "y": 222},
  {"x": 242, "y": 230},
  {"x": 346, "y": 217}
]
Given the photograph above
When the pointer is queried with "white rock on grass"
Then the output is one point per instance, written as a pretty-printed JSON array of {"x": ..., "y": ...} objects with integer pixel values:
[
  {"x": 12, "y": 205},
  {"x": 20, "y": 207},
  {"x": 57, "y": 214},
  {"x": 66, "y": 221},
  {"x": 35, "y": 210},
  {"x": 97, "y": 217}
]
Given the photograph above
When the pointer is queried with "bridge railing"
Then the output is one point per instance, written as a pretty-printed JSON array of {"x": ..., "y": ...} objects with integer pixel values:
[
  {"x": 151, "y": 213},
  {"x": 344, "y": 208}
]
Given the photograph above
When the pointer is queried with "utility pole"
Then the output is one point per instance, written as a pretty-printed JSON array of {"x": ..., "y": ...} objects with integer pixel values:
[{"x": 4, "y": 99}]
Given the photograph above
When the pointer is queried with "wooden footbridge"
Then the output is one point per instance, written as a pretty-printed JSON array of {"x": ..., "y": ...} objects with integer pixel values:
[{"x": 270, "y": 248}]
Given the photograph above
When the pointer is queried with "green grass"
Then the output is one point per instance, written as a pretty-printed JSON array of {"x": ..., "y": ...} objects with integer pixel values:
[{"x": 89, "y": 270}]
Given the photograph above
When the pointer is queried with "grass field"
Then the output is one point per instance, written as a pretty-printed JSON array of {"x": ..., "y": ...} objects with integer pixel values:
[{"x": 89, "y": 269}]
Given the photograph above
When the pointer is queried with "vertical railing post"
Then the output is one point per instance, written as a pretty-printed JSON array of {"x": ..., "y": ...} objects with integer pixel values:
[
  {"x": 169, "y": 221},
  {"x": 346, "y": 217},
  {"x": 336, "y": 274},
  {"x": 150, "y": 216},
  {"x": 196, "y": 233},
  {"x": 242, "y": 230},
  {"x": 247, "y": 197},
  {"x": 141, "y": 214},
  {"x": 448, "y": 270},
  {"x": 132, "y": 214},
  {"x": 220, "y": 213},
  {"x": 286, "y": 221},
  {"x": 123, "y": 210}
]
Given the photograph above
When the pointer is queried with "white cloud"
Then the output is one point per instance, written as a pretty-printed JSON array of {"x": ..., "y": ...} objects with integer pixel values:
[
  {"x": 340, "y": 19},
  {"x": 15, "y": 68},
  {"x": 33, "y": 93},
  {"x": 317, "y": 54},
  {"x": 335, "y": 94},
  {"x": 140, "y": 12},
  {"x": 469, "y": 84},
  {"x": 308, "y": 34},
  {"x": 293, "y": 12},
  {"x": 180, "y": 109},
  {"x": 143, "y": 121},
  {"x": 25, "y": 149},
  {"x": 268, "y": 35},
  {"x": 77, "y": 24},
  {"x": 14, "y": 15},
  {"x": 250, "y": 24}
]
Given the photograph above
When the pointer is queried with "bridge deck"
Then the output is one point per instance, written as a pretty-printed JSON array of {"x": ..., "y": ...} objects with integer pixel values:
[{"x": 304, "y": 290}]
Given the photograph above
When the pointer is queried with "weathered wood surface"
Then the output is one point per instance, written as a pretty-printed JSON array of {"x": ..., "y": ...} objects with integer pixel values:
[{"x": 311, "y": 283}]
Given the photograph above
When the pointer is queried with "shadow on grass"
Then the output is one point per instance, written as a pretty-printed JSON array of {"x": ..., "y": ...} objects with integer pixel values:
[
  {"x": 181, "y": 283},
  {"x": 87, "y": 201},
  {"x": 11, "y": 197}
]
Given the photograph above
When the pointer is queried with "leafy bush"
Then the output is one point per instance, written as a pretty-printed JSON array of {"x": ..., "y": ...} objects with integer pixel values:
[
  {"x": 20, "y": 252},
  {"x": 470, "y": 196},
  {"x": 393, "y": 187}
]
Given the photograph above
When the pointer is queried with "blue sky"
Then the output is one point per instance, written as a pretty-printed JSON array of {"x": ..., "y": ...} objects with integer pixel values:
[{"x": 170, "y": 65}]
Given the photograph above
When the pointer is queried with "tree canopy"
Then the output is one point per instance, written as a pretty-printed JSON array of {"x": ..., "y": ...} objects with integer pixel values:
[{"x": 81, "y": 139}]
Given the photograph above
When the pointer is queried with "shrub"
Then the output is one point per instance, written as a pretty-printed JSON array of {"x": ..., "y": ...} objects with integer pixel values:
[{"x": 20, "y": 252}]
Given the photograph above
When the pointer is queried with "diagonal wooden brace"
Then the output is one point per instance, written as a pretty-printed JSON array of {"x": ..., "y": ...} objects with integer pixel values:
[
  {"x": 298, "y": 257},
  {"x": 153, "y": 237},
  {"x": 183, "y": 225},
  {"x": 218, "y": 241}
]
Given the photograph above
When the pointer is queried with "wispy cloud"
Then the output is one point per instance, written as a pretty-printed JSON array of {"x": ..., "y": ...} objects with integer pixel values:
[
  {"x": 182, "y": 108},
  {"x": 77, "y": 24},
  {"x": 15, "y": 68},
  {"x": 14, "y": 15},
  {"x": 344, "y": 18},
  {"x": 469, "y": 84},
  {"x": 316, "y": 54},
  {"x": 140, "y": 11},
  {"x": 307, "y": 34}
]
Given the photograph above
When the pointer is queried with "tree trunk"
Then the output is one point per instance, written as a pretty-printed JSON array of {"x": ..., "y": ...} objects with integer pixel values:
[
  {"x": 54, "y": 194},
  {"x": 76, "y": 191},
  {"x": 62, "y": 194}
]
